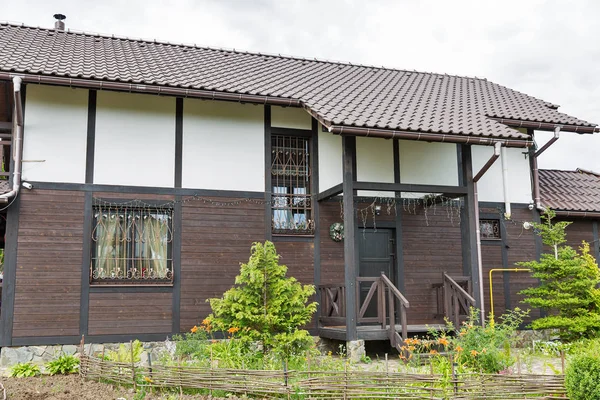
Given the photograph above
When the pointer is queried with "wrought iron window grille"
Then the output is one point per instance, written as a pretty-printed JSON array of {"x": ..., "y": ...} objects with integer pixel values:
[
  {"x": 291, "y": 201},
  {"x": 131, "y": 244},
  {"x": 490, "y": 229}
]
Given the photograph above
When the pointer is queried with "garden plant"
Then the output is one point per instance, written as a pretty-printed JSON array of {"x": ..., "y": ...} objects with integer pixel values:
[{"x": 569, "y": 281}]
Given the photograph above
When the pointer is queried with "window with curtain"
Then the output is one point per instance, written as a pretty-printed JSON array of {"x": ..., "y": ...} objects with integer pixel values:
[
  {"x": 132, "y": 245},
  {"x": 290, "y": 184}
]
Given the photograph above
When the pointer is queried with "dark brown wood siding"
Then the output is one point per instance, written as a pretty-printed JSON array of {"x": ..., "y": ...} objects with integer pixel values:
[
  {"x": 299, "y": 258},
  {"x": 578, "y": 231},
  {"x": 432, "y": 245},
  {"x": 130, "y": 313},
  {"x": 332, "y": 253},
  {"x": 521, "y": 247},
  {"x": 49, "y": 255},
  {"x": 215, "y": 240}
]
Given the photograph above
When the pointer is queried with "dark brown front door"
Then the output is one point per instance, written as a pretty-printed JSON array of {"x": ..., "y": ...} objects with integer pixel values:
[{"x": 376, "y": 255}]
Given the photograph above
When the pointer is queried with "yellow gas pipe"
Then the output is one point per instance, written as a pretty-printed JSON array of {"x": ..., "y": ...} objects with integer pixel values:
[{"x": 491, "y": 286}]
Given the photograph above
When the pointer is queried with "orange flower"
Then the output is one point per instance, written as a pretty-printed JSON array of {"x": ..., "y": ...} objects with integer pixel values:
[
  {"x": 484, "y": 350},
  {"x": 206, "y": 322},
  {"x": 233, "y": 330},
  {"x": 443, "y": 341},
  {"x": 214, "y": 341},
  {"x": 474, "y": 352},
  {"x": 148, "y": 379},
  {"x": 194, "y": 329},
  {"x": 462, "y": 333},
  {"x": 459, "y": 349},
  {"x": 433, "y": 352}
]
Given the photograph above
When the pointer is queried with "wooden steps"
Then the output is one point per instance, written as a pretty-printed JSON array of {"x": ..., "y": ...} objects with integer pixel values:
[{"x": 374, "y": 332}]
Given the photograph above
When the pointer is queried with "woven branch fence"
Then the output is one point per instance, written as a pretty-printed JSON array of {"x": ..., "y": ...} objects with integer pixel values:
[{"x": 325, "y": 385}]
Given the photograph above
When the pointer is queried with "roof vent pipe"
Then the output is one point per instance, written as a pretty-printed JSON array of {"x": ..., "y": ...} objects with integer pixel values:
[{"x": 59, "y": 25}]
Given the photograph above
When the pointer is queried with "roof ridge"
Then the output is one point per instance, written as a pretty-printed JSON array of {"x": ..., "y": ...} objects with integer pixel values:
[{"x": 233, "y": 50}]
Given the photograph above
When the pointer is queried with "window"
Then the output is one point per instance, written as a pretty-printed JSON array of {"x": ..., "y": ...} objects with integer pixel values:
[
  {"x": 489, "y": 229},
  {"x": 290, "y": 183},
  {"x": 132, "y": 245}
]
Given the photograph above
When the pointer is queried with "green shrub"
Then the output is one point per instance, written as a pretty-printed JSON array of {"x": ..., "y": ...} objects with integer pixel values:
[
  {"x": 568, "y": 287},
  {"x": 265, "y": 306},
  {"x": 63, "y": 365},
  {"x": 124, "y": 354},
  {"x": 582, "y": 377},
  {"x": 24, "y": 370}
]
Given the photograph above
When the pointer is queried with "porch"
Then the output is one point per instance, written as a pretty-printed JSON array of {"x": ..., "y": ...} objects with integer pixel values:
[{"x": 382, "y": 309}]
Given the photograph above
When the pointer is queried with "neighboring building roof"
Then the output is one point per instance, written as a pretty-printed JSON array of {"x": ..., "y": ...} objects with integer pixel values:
[
  {"x": 570, "y": 190},
  {"x": 340, "y": 94}
]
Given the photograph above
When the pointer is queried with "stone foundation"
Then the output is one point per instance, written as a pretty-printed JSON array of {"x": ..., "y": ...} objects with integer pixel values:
[
  {"x": 355, "y": 350},
  {"x": 41, "y": 355}
]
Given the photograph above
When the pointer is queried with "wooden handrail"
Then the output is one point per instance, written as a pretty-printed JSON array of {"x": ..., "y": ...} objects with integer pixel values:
[
  {"x": 381, "y": 288},
  {"x": 459, "y": 288},
  {"x": 395, "y": 290},
  {"x": 455, "y": 298}
]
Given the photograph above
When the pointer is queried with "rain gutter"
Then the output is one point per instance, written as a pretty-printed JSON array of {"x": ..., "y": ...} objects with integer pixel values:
[
  {"x": 17, "y": 141},
  {"x": 476, "y": 178}
]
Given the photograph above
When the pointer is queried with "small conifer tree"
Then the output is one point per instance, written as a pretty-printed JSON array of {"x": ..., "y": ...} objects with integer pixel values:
[
  {"x": 265, "y": 305},
  {"x": 568, "y": 288}
]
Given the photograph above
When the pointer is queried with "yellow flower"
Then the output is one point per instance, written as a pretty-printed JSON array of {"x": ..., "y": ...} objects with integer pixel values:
[
  {"x": 233, "y": 330},
  {"x": 148, "y": 379},
  {"x": 443, "y": 341},
  {"x": 194, "y": 329},
  {"x": 474, "y": 352}
]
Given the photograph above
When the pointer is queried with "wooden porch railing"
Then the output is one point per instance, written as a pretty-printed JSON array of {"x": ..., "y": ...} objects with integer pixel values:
[
  {"x": 333, "y": 306},
  {"x": 454, "y": 300}
]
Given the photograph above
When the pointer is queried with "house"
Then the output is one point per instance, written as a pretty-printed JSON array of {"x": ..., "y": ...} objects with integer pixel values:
[
  {"x": 575, "y": 197},
  {"x": 142, "y": 171}
]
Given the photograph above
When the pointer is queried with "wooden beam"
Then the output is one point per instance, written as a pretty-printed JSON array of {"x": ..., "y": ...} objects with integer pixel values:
[
  {"x": 329, "y": 193},
  {"x": 399, "y": 247},
  {"x": 470, "y": 238},
  {"x": 409, "y": 187},
  {"x": 6, "y": 126},
  {"x": 350, "y": 258}
]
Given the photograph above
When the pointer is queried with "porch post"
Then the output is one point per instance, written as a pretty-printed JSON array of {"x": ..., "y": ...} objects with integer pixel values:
[
  {"x": 350, "y": 264},
  {"x": 469, "y": 242}
]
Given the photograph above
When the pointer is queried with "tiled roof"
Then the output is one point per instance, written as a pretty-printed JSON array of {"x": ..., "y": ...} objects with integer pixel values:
[
  {"x": 340, "y": 94},
  {"x": 570, "y": 190}
]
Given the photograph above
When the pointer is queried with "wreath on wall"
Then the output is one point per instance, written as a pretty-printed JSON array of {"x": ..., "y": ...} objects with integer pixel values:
[{"x": 336, "y": 231}]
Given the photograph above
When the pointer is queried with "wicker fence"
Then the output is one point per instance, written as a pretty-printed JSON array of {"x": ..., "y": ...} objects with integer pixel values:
[{"x": 325, "y": 385}]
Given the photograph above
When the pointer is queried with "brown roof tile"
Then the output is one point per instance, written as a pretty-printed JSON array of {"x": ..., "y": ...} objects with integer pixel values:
[
  {"x": 570, "y": 190},
  {"x": 339, "y": 93}
]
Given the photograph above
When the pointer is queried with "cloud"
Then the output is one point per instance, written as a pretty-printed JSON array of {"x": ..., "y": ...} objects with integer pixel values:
[{"x": 544, "y": 48}]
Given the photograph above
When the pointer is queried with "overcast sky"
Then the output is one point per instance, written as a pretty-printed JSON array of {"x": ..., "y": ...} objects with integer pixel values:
[{"x": 548, "y": 49}]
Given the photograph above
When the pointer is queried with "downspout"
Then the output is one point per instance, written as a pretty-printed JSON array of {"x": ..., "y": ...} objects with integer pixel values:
[
  {"x": 507, "y": 209},
  {"x": 17, "y": 139},
  {"x": 476, "y": 178},
  {"x": 536, "y": 177}
]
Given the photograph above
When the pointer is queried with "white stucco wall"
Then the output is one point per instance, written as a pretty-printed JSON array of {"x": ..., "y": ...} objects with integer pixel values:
[
  {"x": 290, "y": 117},
  {"x": 135, "y": 140},
  {"x": 330, "y": 160},
  {"x": 223, "y": 146},
  {"x": 55, "y": 134},
  {"x": 374, "y": 163},
  {"x": 519, "y": 175},
  {"x": 428, "y": 163}
]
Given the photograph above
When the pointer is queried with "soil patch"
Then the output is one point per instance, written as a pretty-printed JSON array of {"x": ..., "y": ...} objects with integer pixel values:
[{"x": 69, "y": 387}]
